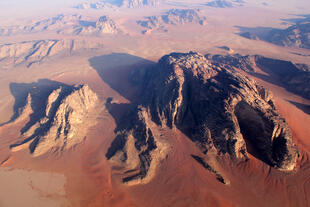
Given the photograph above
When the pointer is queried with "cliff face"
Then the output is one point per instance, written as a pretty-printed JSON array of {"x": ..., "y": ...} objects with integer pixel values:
[
  {"x": 218, "y": 109},
  {"x": 59, "y": 124}
]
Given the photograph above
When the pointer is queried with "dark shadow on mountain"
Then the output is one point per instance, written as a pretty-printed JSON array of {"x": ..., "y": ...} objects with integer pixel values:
[
  {"x": 39, "y": 92},
  {"x": 118, "y": 70},
  {"x": 304, "y": 107},
  {"x": 118, "y": 110}
]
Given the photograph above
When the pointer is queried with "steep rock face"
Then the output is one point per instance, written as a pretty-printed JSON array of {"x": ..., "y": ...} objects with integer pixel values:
[
  {"x": 294, "y": 77},
  {"x": 218, "y": 109},
  {"x": 173, "y": 17},
  {"x": 56, "y": 125}
]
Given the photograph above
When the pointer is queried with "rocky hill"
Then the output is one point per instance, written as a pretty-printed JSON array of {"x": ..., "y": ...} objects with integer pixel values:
[
  {"x": 118, "y": 3},
  {"x": 56, "y": 118},
  {"x": 297, "y": 35},
  {"x": 30, "y": 52},
  {"x": 172, "y": 17},
  {"x": 219, "y": 110},
  {"x": 65, "y": 24},
  {"x": 294, "y": 77}
]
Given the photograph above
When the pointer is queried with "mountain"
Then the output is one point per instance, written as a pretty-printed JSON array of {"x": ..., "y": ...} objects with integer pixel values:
[
  {"x": 297, "y": 35},
  {"x": 224, "y": 3},
  {"x": 118, "y": 3},
  {"x": 57, "y": 118},
  {"x": 66, "y": 24},
  {"x": 294, "y": 77},
  {"x": 172, "y": 17},
  {"x": 221, "y": 111},
  {"x": 36, "y": 51}
]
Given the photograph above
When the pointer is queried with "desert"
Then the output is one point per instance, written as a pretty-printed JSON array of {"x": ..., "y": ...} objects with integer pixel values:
[{"x": 154, "y": 103}]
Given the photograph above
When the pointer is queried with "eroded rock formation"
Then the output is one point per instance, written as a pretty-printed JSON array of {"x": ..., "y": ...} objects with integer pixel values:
[
  {"x": 56, "y": 119},
  {"x": 218, "y": 109}
]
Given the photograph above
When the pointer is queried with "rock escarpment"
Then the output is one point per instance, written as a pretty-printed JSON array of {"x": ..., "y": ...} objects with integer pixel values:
[
  {"x": 57, "y": 119},
  {"x": 220, "y": 110}
]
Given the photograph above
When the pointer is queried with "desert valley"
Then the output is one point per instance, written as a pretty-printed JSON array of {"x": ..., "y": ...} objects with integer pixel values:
[{"x": 155, "y": 103}]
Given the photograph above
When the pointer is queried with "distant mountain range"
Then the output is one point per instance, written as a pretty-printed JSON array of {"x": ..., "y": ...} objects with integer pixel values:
[
  {"x": 118, "y": 3},
  {"x": 224, "y": 3},
  {"x": 36, "y": 51},
  {"x": 65, "y": 24}
]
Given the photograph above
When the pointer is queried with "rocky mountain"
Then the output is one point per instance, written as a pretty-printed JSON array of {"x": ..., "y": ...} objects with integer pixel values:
[
  {"x": 224, "y": 3},
  {"x": 57, "y": 118},
  {"x": 118, "y": 3},
  {"x": 65, "y": 24},
  {"x": 172, "y": 17},
  {"x": 296, "y": 35},
  {"x": 30, "y": 52},
  {"x": 294, "y": 77},
  {"x": 218, "y": 109}
]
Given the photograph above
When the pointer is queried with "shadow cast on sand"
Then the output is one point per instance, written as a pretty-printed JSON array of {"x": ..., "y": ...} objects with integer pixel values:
[
  {"x": 39, "y": 91},
  {"x": 118, "y": 70},
  {"x": 305, "y": 108}
]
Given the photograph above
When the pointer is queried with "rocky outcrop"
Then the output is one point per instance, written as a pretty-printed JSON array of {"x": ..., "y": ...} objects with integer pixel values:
[
  {"x": 297, "y": 35},
  {"x": 66, "y": 24},
  {"x": 220, "y": 110},
  {"x": 294, "y": 77},
  {"x": 172, "y": 17},
  {"x": 30, "y": 52},
  {"x": 57, "y": 119}
]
